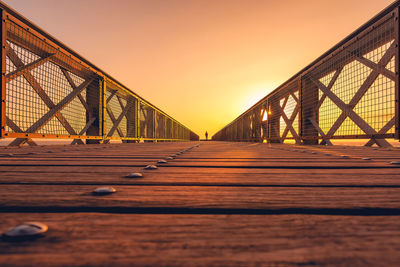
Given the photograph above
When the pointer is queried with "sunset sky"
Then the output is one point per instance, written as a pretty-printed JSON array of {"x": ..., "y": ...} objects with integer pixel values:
[{"x": 204, "y": 62}]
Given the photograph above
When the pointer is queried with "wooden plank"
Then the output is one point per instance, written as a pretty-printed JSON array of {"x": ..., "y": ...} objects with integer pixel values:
[
  {"x": 201, "y": 177},
  {"x": 133, "y": 197},
  {"x": 92, "y": 239}
]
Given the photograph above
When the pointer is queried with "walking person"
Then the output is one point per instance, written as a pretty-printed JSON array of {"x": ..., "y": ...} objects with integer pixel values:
[{"x": 206, "y": 136}]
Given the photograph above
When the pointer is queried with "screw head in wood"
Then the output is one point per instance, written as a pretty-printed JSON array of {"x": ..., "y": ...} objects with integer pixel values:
[
  {"x": 105, "y": 190},
  {"x": 26, "y": 230},
  {"x": 151, "y": 167},
  {"x": 395, "y": 162},
  {"x": 134, "y": 175},
  {"x": 162, "y": 161},
  {"x": 169, "y": 158}
]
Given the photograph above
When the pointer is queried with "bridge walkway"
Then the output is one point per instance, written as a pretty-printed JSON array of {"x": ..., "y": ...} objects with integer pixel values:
[{"x": 217, "y": 203}]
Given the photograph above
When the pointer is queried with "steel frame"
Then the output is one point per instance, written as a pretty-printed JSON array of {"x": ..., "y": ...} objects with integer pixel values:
[
  {"x": 19, "y": 33},
  {"x": 380, "y": 31}
]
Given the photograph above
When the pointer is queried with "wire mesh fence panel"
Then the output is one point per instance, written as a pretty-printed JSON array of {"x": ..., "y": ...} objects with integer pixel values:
[
  {"x": 147, "y": 120},
  {"x": 356, "y": 86},
  {"x": 121, "y": 113},
  {"x": 352, "y": 91},
  {"x": 169, "y": 128},
  {"x": 49, "y": 91},
  {"x": 46, "y": 90}
]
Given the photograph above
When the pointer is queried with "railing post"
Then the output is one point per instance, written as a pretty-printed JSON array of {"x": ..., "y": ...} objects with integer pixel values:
[
  {"x": 96, "y": 103},
  {"x": 308, "y": 110},
  {"x": 274, "y": 122},
  {"x": 3, "y": 73},
  {"x": 131, "y": 121},
  {"x": 150, "y": 123},
  {"x": 257, "y": 124}
]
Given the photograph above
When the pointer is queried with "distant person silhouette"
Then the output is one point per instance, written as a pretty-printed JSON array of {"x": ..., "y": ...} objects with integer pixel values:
[{"x": 206, "y": 135}]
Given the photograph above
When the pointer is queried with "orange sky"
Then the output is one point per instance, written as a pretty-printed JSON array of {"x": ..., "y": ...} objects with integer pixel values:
[{"x": 204, "y": 62}]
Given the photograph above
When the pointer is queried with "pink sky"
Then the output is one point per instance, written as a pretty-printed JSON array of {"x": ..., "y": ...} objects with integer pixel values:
[{"x": 204, "y": 62}]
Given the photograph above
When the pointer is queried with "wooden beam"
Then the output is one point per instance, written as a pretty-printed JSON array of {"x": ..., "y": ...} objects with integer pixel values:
[
  {"x": 288, "y": 124},
  {"x": 315, "y": 124},
  {"x": 384, "y": 130},
  {"x": 73, "y": 85},
  {"x": 357, "y": 97},
  {"x": 113, "y": 119},
  {"x": 330, "y": 85},
  {"x": 90, "y": 122},
  {"x": 378, "y": 68},
  {"x": 27, "y": 68},
  {"x": 16, "y": 129},
  {"x": 348, "y": 111},
  {"x": 42, "y": 94},
  {"x": 291, "y": 120}
]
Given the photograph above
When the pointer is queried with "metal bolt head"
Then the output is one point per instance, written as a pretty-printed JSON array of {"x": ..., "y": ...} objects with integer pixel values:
[
  {"x": 134, "y": 175},
  {"x": 366, "y": 158},
  {"x": 395, "y": 162},
  {"x": 344, "y": 156},
  {"x": 151, "y": 167},
  {"x": 162, "y": 161},
  {"x": 26, "y": 230},
  {"x": 169, "y": 158},
  {"x": 105, "y": 190}
]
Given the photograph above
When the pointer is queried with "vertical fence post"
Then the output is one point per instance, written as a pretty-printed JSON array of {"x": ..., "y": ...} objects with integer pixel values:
[
  {"x": 308, "y": 110},
  {"x": 3, "y": 74},
  {"x": 257, "y": 124},
  {"x": 131, "y": 119},
  {"x": 137, "y": 121},
  {"x": 154, "y": 113},
  {"x": 274, "y": 122},
  {"x": 150, "y": 123},
  {"x": 95, "y": 101}
]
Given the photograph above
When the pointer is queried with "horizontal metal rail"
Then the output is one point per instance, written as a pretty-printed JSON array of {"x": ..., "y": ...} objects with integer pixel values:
[
  {"x": 350, "y": 92},
  {"x": 50, "y": 91}
]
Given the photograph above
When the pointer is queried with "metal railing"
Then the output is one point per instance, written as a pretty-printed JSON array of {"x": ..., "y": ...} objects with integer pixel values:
[
  {"x": 350, "y": 92},
  {"x": 50, "y": 91}
]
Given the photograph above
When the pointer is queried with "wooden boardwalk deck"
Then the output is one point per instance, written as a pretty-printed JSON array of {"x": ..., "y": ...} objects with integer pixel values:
[{"x": 218, "y": 204}]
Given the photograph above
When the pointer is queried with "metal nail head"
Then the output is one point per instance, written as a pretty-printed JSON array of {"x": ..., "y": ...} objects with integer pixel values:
[
  {"x": 151, "y": 167},
  {"x": 106, "y": 190},
  {"x": 26, "y": 230},
  {"x": 134, "y": 175}
]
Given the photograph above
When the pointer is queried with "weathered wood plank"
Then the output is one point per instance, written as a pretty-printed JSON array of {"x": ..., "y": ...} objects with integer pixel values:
[
  {"x": 92, "y": 239},
  {"x": 269, "y": 198},
  {"x": 201, "y": 176}
]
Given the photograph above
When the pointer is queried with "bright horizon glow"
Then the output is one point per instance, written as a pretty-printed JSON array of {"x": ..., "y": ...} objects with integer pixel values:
[{"x": 204, "y": 62}]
